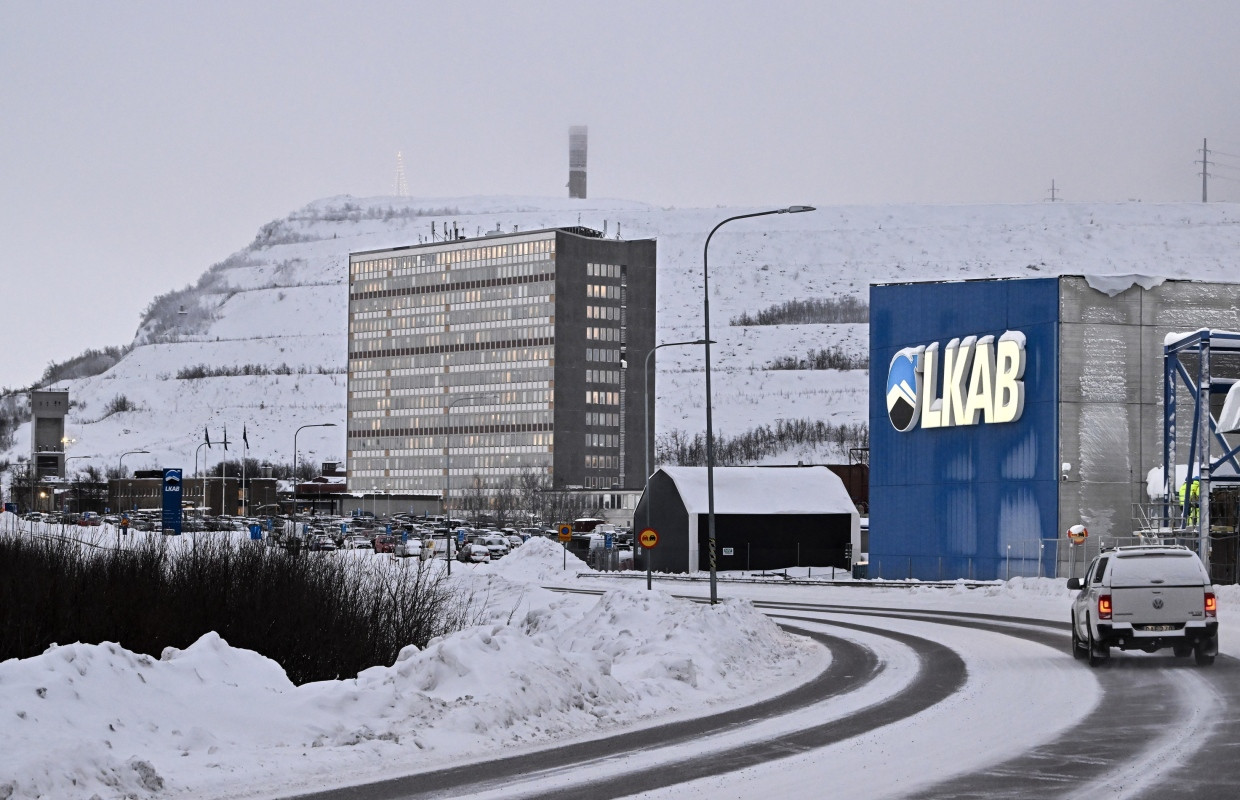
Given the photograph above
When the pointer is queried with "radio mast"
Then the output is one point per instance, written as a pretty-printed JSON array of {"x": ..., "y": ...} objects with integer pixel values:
[{"x": 402, "y": 186}]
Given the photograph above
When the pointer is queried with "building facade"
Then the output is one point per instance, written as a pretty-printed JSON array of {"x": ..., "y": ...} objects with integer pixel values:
[
  {"x": 48, "y": 409},
  {"x": 765, "y": 518},
  {"x": 1003, "y": 412},
  {"x": 479, "y": 362}
]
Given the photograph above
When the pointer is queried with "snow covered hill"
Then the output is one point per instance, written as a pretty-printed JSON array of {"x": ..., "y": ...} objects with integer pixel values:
[{"x": 274, "y": 313}]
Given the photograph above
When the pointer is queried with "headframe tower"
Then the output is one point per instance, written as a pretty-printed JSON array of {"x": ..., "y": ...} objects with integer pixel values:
[{"x": 577, "y": 161}]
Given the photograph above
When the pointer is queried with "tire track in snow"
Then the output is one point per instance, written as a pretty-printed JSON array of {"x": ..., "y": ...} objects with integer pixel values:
[{"x": 852, "y": 666}]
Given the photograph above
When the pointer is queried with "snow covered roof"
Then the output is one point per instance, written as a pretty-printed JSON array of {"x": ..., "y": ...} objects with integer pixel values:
[{"x": 763, "y": 490}]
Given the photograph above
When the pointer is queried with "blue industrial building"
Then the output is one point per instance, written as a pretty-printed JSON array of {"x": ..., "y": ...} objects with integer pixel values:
[{"x": 1004, "y": 411}]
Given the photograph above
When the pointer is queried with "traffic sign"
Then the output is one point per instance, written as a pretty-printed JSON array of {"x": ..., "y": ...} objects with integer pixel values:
[
  {"x": 648, "y": 538},
  {"x": 566, "y": 533},
  {"x": 1077, "y": 533}
]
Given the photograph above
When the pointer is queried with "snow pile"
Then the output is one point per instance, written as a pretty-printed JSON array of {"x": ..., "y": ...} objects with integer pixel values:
[
  {"x": 539, "y": 560},
  {"x": 82, "y": 720}
]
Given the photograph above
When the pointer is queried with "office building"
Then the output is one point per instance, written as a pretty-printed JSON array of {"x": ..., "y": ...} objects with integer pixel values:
[{"x": 500, "y": 358}]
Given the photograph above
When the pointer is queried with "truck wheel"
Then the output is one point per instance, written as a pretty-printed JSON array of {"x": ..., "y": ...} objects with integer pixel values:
[
  {"x": 1204, "y": 652},
  {"x": 1182, "y": 650},
  {"x": 1098, "y": 654},
  {"x": 1078, "y": 647}
]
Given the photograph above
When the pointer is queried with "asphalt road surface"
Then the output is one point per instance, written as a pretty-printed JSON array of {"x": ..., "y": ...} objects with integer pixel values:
[{"x": 1162, "y": 729}]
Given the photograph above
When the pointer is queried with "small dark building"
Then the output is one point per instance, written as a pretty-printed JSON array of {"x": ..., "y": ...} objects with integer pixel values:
[
  {"x": 765, "y": 518},
  {"x": 213, "y": 494}
]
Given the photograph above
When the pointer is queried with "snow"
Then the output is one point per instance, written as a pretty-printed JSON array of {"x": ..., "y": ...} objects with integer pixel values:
[
  {"x": 1229, "y": 417},
  {"x": 746, "y": 490},
  {"x": 1112, "y": 285},
  {"x": 281, "y": 302},
  {"x": 85, "y": 720},
  {"x": 216, "y": 720}
]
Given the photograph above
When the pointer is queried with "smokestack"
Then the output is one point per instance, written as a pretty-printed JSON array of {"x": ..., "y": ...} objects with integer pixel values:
[{"x": 577, "y": 161}]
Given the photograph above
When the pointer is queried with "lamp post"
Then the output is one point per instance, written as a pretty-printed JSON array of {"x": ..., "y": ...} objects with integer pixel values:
[
  {"x": 293, "y": 516},
  {"x": 710, "y": 438},
  {"x": 646, "y": 392},
  {"x": 447, "y": 455},
  {"x": 120, "y": 468},
  {"x": 202, "y": 481},
  {"x": 75, "y": 497}
]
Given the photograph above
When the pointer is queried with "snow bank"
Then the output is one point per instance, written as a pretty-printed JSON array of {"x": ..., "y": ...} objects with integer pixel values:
[
  {"x": 539, "y": 560},
  {"x": 212, "y": 720}
]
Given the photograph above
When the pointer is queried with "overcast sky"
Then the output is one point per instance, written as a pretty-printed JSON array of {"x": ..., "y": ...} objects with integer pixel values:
[{"x": 142, "y": 142}]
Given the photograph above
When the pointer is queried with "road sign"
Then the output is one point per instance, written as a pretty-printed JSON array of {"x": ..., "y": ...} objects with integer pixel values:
[
  {"x": 256, "y": 533},
  {"x": 727, "y": 551},
  {"x": 566, "y": 533},
  {"x": 609, "y": 541},
  {"x": 648, "y": 538}
]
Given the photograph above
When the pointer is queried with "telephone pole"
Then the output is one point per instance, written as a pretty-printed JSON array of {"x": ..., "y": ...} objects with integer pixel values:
[
  {"x": 1054, "y": 198},
  {"x": 1205, "y": 163}
]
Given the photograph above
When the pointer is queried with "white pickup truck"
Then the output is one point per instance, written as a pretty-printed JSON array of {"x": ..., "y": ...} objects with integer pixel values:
[{"x": 1145, "y": 598}]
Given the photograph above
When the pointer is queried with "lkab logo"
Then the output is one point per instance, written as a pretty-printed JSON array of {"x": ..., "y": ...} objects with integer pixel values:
[{"x": 982, "y": 383}]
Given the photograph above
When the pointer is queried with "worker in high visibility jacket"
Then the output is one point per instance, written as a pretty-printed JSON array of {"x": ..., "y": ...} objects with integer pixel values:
[{"x": 1193, "y": 489}]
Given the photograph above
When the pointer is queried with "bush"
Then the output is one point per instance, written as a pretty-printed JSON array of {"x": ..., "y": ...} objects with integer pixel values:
[
  {"x": 317, "y": 616},
  {"x": 802, "y": 312},
  {"x": 678, "y": 449},
  {"x": 835, "y": 358},
  {"x": 88, "y": 364},
  {"x": 117, "y": 405}
]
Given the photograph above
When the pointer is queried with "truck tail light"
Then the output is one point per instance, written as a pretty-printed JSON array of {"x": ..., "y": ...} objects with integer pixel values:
[
  {"x": 1211, "y": 605},
  {"x": 1104, "y": 606}
]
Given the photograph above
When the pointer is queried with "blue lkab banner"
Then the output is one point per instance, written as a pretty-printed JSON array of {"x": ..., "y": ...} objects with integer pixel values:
[{"x": 172, "y": 502}]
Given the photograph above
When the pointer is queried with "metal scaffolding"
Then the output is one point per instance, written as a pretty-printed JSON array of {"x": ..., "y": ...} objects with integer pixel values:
[{"x": 1196, "y": 346}]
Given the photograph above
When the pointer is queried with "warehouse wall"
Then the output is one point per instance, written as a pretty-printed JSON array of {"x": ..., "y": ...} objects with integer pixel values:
[
  {"x": 1111, "y": 392},
  {"x": 964, "y": 502}
]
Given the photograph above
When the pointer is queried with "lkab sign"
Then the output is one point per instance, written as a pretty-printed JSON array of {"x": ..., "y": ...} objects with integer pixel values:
[{"x": 982, "y": 383}]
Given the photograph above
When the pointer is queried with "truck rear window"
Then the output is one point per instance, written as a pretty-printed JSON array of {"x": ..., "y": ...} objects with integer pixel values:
[{"x": 1169, "y": 569}]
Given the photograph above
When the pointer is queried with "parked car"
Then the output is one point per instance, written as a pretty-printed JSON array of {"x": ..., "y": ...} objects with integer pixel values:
[
  {"x": 410, "y": 549},
  {"x": 322, "y": 543},
  {"x": 1146, "y": 597},
  {"x": 357, "y": 542},
  {"x": 495, "y": 544},
  {"x": 473, "y": 554},
  {"x": 90, "y": 518},
  {"x": 384, "y": 543}
]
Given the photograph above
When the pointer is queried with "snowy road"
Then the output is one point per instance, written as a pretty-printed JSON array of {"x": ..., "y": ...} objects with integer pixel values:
[{"x": 931, "y": 703}]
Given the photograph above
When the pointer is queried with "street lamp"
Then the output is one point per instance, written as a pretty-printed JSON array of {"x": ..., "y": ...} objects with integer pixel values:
[
  {"x": 75, "y": 497},
  {"x": 646, "y": 392},
  {"x": 710, "y": 437},
  {"x": 202, "y": 482},
  {"x": 447, "y": 454},
  {"x": 120, "y": 468},
  {"x": 299, "y": 430}
]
